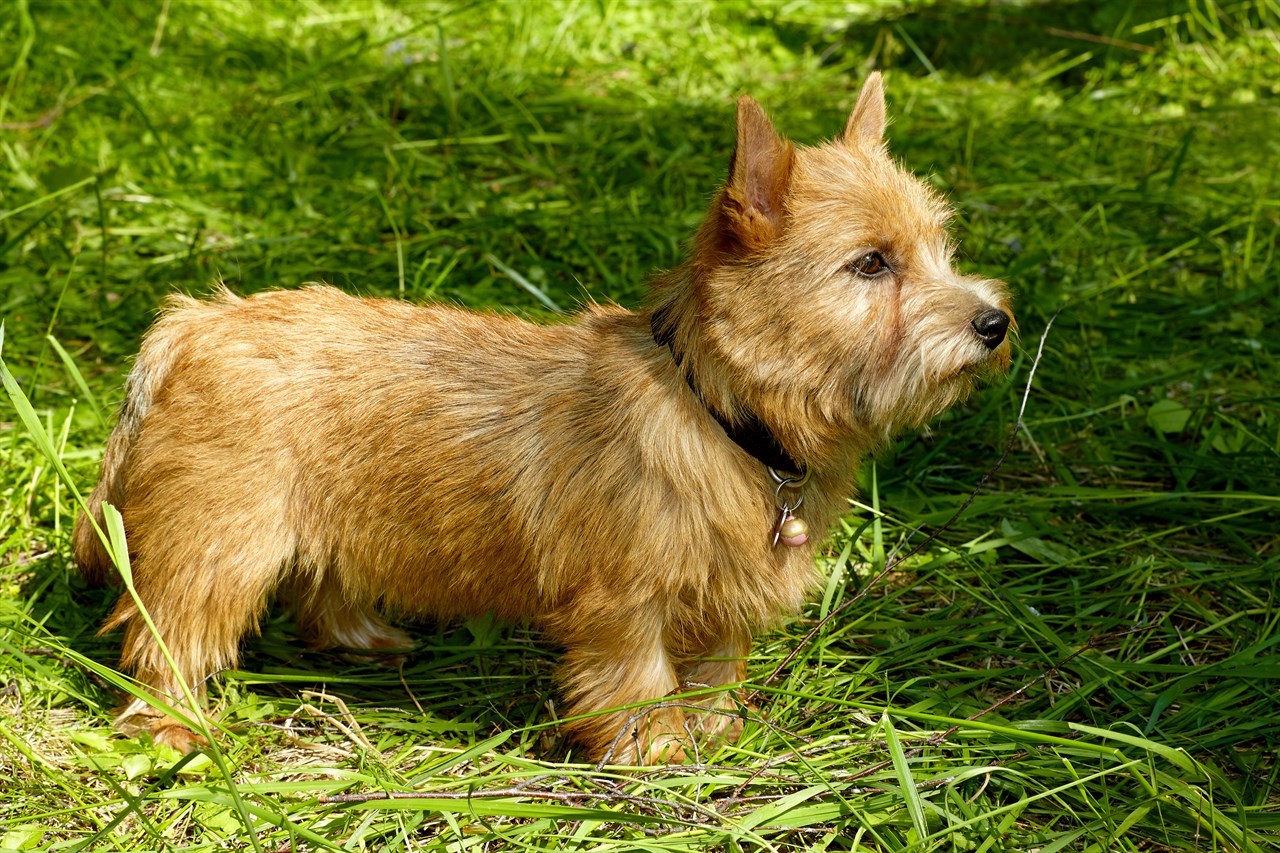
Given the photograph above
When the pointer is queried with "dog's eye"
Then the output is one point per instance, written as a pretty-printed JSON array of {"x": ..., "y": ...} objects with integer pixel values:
[{"x": 870, "y": 265}]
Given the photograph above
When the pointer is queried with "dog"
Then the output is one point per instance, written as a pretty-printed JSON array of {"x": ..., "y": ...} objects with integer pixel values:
[{"x": 647, "y": 487}]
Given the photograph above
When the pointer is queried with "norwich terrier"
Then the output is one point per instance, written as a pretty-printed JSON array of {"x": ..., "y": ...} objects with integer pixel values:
[{"x": 647, "y": 487}]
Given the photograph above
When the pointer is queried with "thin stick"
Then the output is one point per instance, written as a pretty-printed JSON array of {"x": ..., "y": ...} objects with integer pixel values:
[
  {"x": 574, "y": 797},
  {"x": 1053, "y": 670}
]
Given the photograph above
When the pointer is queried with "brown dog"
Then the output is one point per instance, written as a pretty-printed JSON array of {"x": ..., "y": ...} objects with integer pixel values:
[{"x": 640, "y": 485}]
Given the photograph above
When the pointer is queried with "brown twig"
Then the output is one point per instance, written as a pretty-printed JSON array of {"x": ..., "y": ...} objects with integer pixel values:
[
  {"x": 49, "y": 116},
  {"x": 571, "y": 797},
  {"x": 1109, "y": 41},
  {"x": 1092, "y": 643},
  {"x": 656, "y": 806}
]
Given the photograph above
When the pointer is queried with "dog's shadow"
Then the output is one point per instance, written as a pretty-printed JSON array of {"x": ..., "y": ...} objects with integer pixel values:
[{"x": 462, "y": 682}]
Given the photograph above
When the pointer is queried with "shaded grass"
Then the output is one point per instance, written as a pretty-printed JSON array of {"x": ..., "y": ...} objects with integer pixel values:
[{"x": 1113, "y": 590}]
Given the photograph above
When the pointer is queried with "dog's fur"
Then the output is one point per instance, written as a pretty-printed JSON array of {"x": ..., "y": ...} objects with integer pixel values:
[{"x": 358, "y": 456}]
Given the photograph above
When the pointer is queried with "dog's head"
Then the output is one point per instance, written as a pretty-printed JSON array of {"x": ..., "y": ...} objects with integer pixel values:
[{"x": 821, "y": 294}]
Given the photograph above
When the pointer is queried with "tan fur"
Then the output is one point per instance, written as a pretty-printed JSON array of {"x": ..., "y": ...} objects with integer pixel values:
[{"x": 362, "y": 456}]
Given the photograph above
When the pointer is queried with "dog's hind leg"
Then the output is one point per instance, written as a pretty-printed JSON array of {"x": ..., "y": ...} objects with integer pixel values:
[
  {"x": 333, "y": 618},
  {"x": 204, "y": 578}
]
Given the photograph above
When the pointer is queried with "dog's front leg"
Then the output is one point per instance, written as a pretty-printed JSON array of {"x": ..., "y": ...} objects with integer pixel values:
[
  {"x": 720, "y": 664},
  {"x": 609, "y": 667}
]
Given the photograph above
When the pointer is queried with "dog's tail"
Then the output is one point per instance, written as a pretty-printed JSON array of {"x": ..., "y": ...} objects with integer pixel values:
[
  {"x": 91, "y": 555},
  {"x": 149, "y": 371}
]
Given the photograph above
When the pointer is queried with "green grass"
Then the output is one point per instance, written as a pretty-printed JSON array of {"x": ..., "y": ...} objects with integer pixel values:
[{"x": 1089, "y": 659}]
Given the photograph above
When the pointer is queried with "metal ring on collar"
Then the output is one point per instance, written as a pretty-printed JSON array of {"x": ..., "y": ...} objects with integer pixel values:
[{"x": 788, "y": 481}]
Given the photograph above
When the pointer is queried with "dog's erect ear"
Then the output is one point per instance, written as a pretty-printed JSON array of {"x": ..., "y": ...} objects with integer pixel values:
[
  {"x": 758, "y": 178},
  {"x": 866, "y": 122}
]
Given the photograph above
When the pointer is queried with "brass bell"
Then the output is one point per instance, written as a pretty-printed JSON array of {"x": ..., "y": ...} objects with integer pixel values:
[{"x": 793, "y": 532}]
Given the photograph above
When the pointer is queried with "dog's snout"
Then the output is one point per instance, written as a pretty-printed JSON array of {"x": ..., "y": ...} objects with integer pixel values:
[{"x": 991, "y": 326}]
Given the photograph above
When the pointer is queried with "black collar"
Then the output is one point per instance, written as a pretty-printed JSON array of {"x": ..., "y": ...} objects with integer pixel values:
[{"x": 752, "y": 434}]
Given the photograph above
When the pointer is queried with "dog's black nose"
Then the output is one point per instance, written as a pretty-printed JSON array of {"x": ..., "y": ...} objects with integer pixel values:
[{"x": 991, "y": 327}]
